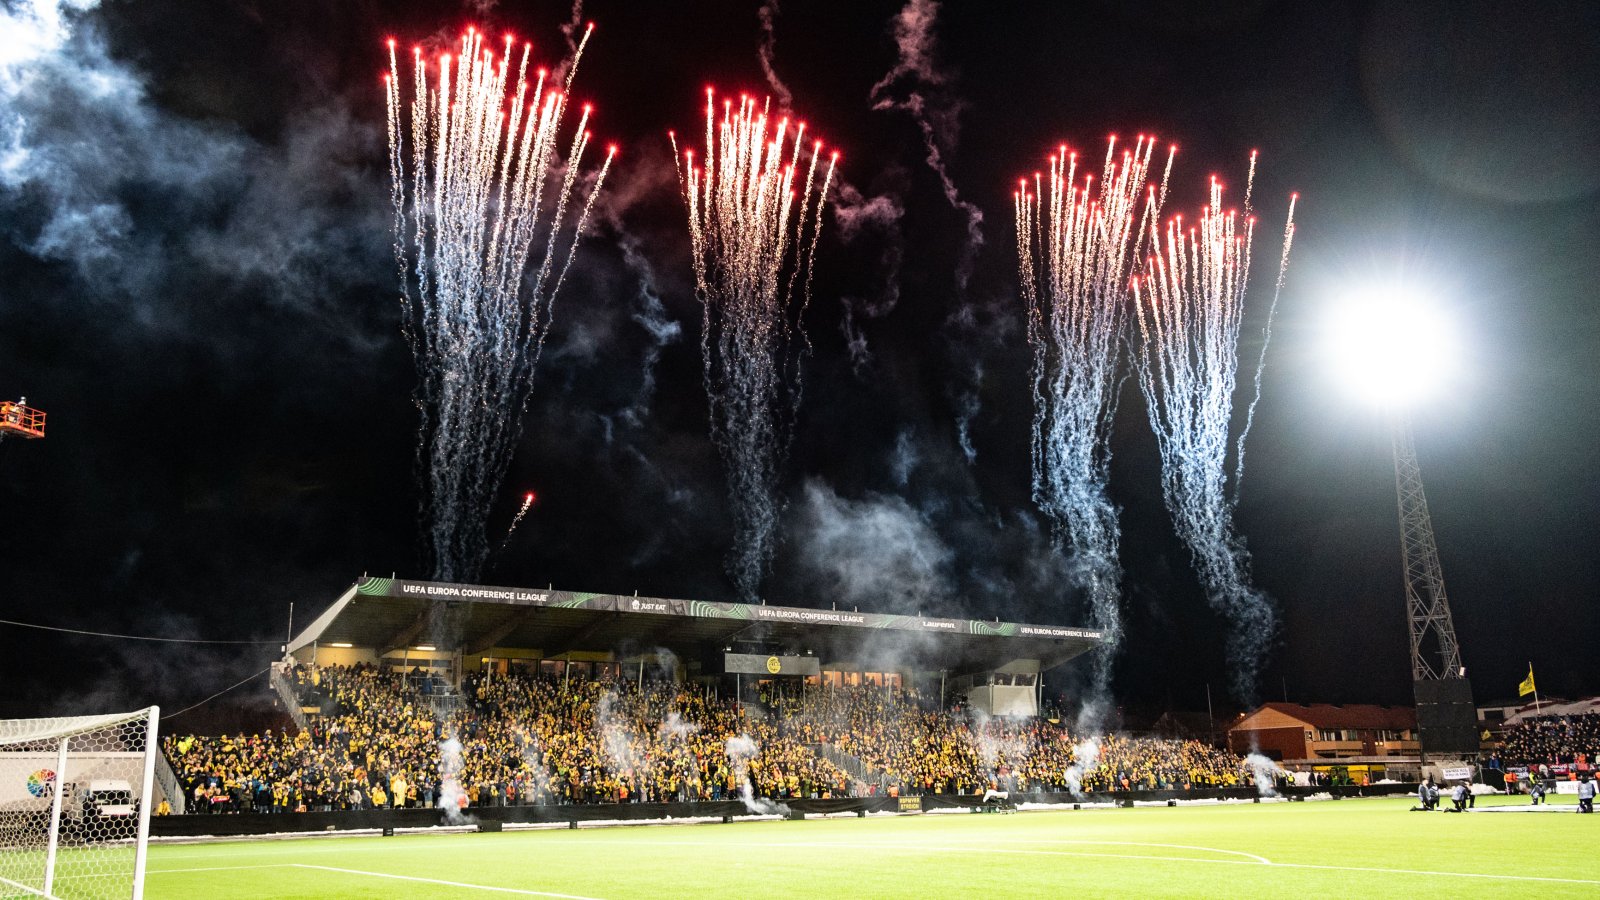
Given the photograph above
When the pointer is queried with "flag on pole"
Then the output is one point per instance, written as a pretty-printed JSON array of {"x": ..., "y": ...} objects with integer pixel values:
[{"x": 1527, "y": 687}]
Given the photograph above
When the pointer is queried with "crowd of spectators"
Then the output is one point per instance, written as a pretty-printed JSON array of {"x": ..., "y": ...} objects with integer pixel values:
[
  {"x": 376, "y": 729},
  {"x": 384, "y": 741},
  {"x": 1554, "y": 740},
  {"x": 387, "y": 739},
  {"x": 923, "y": 749}
]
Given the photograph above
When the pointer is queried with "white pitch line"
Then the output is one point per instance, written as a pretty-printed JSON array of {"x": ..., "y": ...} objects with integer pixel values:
[
  {"x": 1431, "y": 872},
  {"x": 457, "y": 884},
  {"x": 968, "y": 848},
  {"x": 1260, "y": 859},
  {"x": 218, "y": 868}
]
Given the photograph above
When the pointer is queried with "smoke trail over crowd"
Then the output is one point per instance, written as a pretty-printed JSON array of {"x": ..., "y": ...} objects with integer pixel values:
[
  {"x": 617, "y": 735},
  {"x": 481, "y": 193},
  {"x": 1189, "y": 305},
  {"x": 1264, "y": 773},
  {"x": 1085, "y": 756},
  {"x": 1076, "y": 249},
  {"x": 452, "y": 796},
  {"x": 755, "y": 211},
  {"x": 741, "y": 750}
]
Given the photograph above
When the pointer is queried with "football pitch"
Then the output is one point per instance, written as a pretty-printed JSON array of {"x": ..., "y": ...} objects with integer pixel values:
[{"x": 1332, "y": 848}]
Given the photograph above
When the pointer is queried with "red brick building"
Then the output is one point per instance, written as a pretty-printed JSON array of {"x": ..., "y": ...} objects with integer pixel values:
[{"x": 1315, "y": 731}]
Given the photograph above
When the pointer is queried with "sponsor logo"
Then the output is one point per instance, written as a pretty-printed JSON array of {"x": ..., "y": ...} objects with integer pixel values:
[
  {"x": 774, "y": 665},
  {"x": 437, "y": 591},
  {"x": 1048, "y": 631},
  {"x": 39, "y": 782},
  {"x": 810, "y": 615}
]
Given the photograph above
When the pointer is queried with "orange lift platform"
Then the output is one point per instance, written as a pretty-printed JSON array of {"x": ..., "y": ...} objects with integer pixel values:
[{"x": 15, "y": 418}]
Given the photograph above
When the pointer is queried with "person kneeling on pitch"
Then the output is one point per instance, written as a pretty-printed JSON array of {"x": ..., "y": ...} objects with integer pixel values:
[
  {"x": 1586, "y": 792},
  {"x": 1424, "y": 798},
  {"x": 1458, "y": 796}
]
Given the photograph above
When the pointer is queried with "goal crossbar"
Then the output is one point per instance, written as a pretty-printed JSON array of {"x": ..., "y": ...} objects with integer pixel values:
[{"x": 75, "y": 796}]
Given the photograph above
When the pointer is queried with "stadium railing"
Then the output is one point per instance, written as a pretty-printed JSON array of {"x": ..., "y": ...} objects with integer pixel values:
[{"x": 245, "y": 824}]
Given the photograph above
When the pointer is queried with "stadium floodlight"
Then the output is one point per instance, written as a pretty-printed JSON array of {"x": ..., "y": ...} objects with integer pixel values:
[
  {"x": 1395, "y": 348},
  {"x": 1392, "y": 345},
  {"x": 75, "y": 817}
]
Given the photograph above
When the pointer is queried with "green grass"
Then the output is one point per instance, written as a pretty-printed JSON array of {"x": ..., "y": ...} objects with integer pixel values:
[{"x": 1346, "y": 848}]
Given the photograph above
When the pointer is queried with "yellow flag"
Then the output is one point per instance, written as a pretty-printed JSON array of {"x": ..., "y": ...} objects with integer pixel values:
[{"x": 1526, "y": 687}]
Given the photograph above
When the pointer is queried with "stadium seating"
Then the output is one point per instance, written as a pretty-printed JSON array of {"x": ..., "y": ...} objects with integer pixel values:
[{"x": 388, "y": 739}]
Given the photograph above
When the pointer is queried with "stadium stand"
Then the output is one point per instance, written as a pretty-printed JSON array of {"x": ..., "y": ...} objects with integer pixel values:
[
  {"x": 1554, "y": 740},
  {"x": 382, "y": 739}
]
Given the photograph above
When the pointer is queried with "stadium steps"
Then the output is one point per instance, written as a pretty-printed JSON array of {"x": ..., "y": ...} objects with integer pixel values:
[
  {"x": 171, "y": 788},
  {"x": 291, "y": 701},
  {"x": 443, "y": 705},
  {"x": 852, "y": 765}
]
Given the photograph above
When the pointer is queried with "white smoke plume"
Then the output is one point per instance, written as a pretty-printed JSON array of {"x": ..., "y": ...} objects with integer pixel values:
[
  {"x": 918, "y": 87},
  {"x": 82, "y": 143},
  {"x": 617, "y": 736},
  {"x": 675, "y": 728},
  {"x": 769, "y": 39},
  {"x": 664, "y": 665},
  {"x": 855, "y": 213},
  {"x": 905, "y": 458},
  {"x": 651, "y": 315},
  {"x": 1265, "y": 773},
  {"x": 878, "y": 550},
  {"x": 741, "y": 749},
  {"x": 452, "y": 796},
  {"x": 995, "y": 742},
  {"x": 1085, "y": 756},
  {"x": 572, "y": 29},
  {"x": 872, "y": 220}
]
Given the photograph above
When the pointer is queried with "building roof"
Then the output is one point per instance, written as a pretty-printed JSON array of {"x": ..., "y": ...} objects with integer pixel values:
[
  {"x": 387, "y": 614},
  {"x": 1590, "y": 706},
  {"x": 1355, "y": 716}
]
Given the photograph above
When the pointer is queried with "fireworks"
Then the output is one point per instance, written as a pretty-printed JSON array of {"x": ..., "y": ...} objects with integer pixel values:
[
  {"x": 755, "y": 205},
  {"x": 481, "y": 195},
  {"x": 1189, "y": 304},
  {"x": 527, "y": 503},
  {"x": 1076, "y": 244}
]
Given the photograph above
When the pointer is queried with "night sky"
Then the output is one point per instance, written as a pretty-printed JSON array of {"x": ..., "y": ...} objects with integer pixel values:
[{"x": 196, "y": 283}]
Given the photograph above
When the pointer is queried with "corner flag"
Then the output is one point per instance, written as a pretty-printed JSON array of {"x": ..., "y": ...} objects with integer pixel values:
[{"x": 1527, "y": 687}]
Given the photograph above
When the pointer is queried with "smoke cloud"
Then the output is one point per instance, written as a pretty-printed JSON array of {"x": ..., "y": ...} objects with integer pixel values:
[
  {"x": 768, "y": 13},
  {"x": 878, "y": 551},
  {"x": 1265, "y": 773},
  {"x": 1085, "y": 756},
  {"x": 870, "y": 221},
  {"x": 917, "y": 87},
  {"x": 617, "y": 737},
  {"x": 83, "y": 147},
  {"x": 741, "y": 750},
  {"x": 452, "y": 797}
]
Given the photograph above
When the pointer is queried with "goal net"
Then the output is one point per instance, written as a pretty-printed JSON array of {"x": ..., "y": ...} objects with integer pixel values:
[{"x": 75, "y": 796}]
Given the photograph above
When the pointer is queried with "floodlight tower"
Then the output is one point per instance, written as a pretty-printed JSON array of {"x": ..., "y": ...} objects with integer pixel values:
[
  {"x": 1395, "y": 349},
  {"x": 1447, "y": 721}
]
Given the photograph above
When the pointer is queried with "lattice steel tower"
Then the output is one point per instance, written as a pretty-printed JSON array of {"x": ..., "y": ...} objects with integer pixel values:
[{"x": 1446, "y": 718}]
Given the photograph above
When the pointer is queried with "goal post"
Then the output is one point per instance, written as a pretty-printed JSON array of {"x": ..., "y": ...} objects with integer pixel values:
[{"x": 75, "y": 804}]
